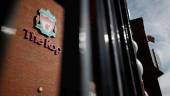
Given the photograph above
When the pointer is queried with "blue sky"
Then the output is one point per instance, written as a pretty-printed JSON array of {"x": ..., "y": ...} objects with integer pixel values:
[{"x": 156, "y": 15}]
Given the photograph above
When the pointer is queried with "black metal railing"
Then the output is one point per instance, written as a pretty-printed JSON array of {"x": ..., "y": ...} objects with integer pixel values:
[{"x": 99, "y": 50}]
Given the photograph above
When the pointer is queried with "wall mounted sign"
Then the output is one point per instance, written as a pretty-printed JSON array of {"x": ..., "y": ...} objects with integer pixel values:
[
  {"x": 45, "y": 42},
  {"x": 46, "y": 23}
]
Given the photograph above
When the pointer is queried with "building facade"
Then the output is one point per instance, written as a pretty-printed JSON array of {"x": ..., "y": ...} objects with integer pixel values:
[
  {"x": 148, "y": 58},
  {"x": 32, "y": 59}
]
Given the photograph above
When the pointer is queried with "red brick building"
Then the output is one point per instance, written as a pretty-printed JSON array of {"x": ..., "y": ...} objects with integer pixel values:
[{"x": 28, "y": 64}]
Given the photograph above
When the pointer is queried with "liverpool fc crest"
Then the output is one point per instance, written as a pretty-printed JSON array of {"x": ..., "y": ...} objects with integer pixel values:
[{"x": 46, "y": 23}]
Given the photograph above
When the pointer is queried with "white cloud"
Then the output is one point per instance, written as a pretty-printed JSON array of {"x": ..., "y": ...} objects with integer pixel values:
[{"x": 165, "y": 84}]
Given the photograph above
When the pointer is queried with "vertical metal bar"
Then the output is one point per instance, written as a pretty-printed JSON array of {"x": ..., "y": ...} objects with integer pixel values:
[
  {"x": 129, "y": 82},
  {"x": 85, "y": 47},
  {"x": 134, "y": 68},
  {"x": 104, "y": 53},
  {"x": 134, "y": 81},
  {"x": 116, "y": 48},
  {"x": 71, "y": 70}
]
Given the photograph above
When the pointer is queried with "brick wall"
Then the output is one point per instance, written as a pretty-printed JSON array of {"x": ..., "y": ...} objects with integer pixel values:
[{"x": 27, "y": 65}]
